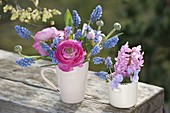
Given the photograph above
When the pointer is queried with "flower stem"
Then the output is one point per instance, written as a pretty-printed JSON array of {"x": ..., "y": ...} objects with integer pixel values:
[
  {"x": 119, "y": 34},
  {"x": 32, "y": 36},
  {"x": 25, "y": 56},
  {"x": 48, "y": 65},
  {"x": 110, "y": 71},
  {"x": 111, "y": 32},
  {"x": 99, "y": 28},
  {"x": 88, "y": 56},
  {"x": 89, "y": 23}
]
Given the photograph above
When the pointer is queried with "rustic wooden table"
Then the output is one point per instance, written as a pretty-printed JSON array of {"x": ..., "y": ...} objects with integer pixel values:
[{"x": 22, "y": 90}]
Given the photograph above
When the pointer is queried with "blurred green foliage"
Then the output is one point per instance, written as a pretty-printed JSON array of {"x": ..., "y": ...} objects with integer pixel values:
[{"x": 144, "y": 22}]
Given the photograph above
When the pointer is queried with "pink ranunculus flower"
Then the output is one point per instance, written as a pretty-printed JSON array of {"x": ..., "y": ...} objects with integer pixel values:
[
  {"x": 46, "y": 34},
  {"x": 70, "y": 54}
]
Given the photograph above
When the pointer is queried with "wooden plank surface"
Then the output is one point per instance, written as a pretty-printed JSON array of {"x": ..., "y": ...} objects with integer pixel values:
[{"x": 22, "y": 90}]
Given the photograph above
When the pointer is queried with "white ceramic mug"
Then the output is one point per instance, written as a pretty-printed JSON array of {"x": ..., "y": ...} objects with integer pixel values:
[
  {"x": 124, "y": 96},
  {"x": 72, "y": 84}
]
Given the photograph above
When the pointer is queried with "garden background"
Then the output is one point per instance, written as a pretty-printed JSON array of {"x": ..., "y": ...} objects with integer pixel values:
[{"x": 144, "y": 22}]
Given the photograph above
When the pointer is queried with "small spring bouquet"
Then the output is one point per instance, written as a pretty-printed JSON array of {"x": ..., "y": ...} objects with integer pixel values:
[
  {"x": 72, "y": 46},
  {"x": 126, "y": 68}
]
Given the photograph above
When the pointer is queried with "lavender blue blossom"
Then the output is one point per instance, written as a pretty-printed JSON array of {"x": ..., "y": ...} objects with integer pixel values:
[
  {"x": 135, "y": 77},
  {"x": 25, "y": 62},
  {"x": 98, "y": 60},
  {"x": 98, "y": 37},
  {"x": 54, "y": 61},
  {"x": 129, "y": 71},
  {"x": 68, "y": 30},
  {"x": 78, "y": 34},
  {"x": 108, "y": 62},
  {"x": 96, "y": 49},
  {"x": 22, "y": 32},
  {"x": 111, "y": 42},
  {"x": 102, "y": 75},
  {"x": 56, "y": 41},
  {"x": 76, "y": 18},
  {"x": 115, "y": 81},
  {"x": 86, "y": 28},
  {"x": 96, "y": 14},
  {"x": 44, "y": 46},
  {"x": 51, "y": 55}
]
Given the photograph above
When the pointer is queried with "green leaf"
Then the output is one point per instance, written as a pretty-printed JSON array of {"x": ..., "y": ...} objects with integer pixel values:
[
  {"x": 71, "y": 36},
  {"x": 68, "y": 18}
]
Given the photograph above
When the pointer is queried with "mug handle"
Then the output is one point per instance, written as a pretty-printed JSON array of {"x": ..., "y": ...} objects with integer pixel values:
[{"x": 48, "y": 81}]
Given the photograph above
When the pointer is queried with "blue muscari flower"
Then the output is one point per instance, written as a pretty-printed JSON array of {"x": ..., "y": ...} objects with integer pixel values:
[
  {"x": 78, "y": 34},
  {"x": 96, "y": 49},
  {"x": 96, "y": 14},
  {"x": 115, "y": 81},
  {"x": 88, "y": 28},
  {"x": 56, "y": 41},
  {"x": 108, "y": 62},
  {"x": 22, "y": 32},
  {"x": 68, "y": 30},
  {"x": 98, "y": 37},
  {"x": 51, "y": 55},
  {"x": 98, "y": 60},
  {"x": 25, "y": 62},
  {"x": 44, "y": 46},
  {"x": 111, "y": 42},
  {"x": 54, "y": 60},
  {"x": 76, "y": 18},
  {"x": 102, "y": 75}
]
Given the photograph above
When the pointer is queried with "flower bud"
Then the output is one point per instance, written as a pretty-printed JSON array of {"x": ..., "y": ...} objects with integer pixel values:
[
  {"x": 29, "y": 9},
  {"x": 52, "y": 22},
  {"x": 100, "y": 23},
  {"x": 18, "y": 48},
  {"x": 117, "y": 26}
]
